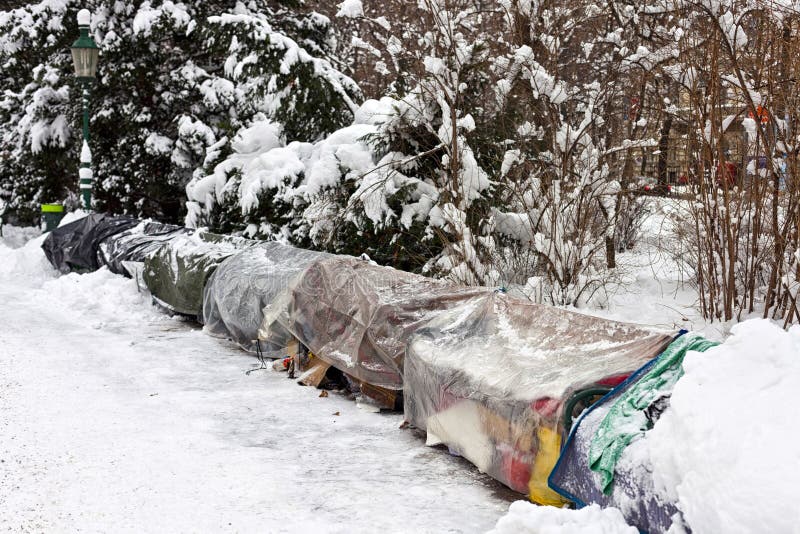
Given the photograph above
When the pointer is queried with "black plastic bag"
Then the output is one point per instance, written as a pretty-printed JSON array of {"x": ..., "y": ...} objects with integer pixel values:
[{"x": 75, "y": 246}]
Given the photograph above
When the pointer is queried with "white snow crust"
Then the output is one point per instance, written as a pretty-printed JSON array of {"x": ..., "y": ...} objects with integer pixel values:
[{"x": 526, "y": 518}]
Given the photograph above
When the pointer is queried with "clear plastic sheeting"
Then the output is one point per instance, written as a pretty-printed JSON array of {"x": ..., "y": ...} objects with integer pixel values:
[
  {"x": 358, "y": 316},
  {"x": 177, "y": 272},
  {"x": 492, "y": 380},
  {"x": 245, "y": 285},
  {"x": 136, "y": 244},
  {"x": 76, "y": 245}
]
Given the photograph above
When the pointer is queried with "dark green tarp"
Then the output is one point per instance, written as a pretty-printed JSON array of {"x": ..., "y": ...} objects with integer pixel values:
[{"x": 177, "y": 272}]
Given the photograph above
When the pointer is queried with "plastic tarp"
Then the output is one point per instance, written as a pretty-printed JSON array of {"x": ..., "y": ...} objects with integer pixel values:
[
  {"x": 358, "y": 316},
  {"x": 76, "y": 245},
  {"x": 633, "y": 490},
  {"x": 632, "y": 414},
  {"x": 137, "y": 243},
  {"x": 245, "y": 285},
  {"x": 177, "y": 272},
  {"x": 491, "y": 380}
]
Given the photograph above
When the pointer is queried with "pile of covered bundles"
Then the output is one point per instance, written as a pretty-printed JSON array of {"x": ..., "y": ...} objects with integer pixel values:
[
  {"x": 245, "y": 285},
  {"x": 177, "y": 272},
  {"x": 122, "y": 251},
  {"x": 491, "y": 380},
  {"x": 357, "y": 317},
  {"x": 76, "y": 245},
  {"x": 600, "y": 462}
]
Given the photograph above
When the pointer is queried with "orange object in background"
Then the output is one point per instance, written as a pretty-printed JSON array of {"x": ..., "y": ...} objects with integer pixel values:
[{"x": 762, "y": 113}]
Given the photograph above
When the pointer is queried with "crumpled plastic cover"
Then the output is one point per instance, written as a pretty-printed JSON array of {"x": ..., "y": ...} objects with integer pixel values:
[
  {"x": 245, "y": 285},
  {"x": 177, "y": 272},
  {"x": 358, "y": 316},
  {"x": 136, "y": 244},
  {"x": 76, "y": 245},
  {"x": 490, "y": 379}
]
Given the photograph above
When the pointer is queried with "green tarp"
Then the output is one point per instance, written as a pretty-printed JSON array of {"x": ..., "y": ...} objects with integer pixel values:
[
  {"x": 178, "y": 271},
  {"x": 627, "y": 418}
]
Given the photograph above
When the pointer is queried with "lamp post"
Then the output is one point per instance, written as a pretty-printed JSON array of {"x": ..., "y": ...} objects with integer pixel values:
[{"x": 84, "y": 56}]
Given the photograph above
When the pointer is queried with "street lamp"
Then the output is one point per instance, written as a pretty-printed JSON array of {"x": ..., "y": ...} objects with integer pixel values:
[{"x": 84, "y": 56}]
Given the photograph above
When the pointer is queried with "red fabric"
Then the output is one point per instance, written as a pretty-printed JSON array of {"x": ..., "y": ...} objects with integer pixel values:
[
  {"x": 516, "y": 469},
  {"x": 613, "y": 381}
]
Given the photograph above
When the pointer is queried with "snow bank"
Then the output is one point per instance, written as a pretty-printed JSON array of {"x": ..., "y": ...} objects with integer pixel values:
[
  {"x": 526, "y": 518},
  {"x": 25, "y": 265},
  {"x": 99, "y": 296},
  {"x": 726, "y": 450},
  {"x": 17, "y": 236},
  {"x": 113, "y": 298}
]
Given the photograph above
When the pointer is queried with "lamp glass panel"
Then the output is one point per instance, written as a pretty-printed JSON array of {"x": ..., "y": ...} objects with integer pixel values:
[{"x": 85, "y": 61}]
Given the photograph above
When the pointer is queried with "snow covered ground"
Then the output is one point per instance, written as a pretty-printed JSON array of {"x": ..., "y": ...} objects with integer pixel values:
[
  {"x": 653, "y": 289},
  {"x": 117, "y": 418},
  {"x": 526, "y": 518}
]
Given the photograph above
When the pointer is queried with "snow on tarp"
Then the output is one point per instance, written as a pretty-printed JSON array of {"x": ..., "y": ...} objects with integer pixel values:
[
  {"x": 245, "y": 285},
  {"x": 635, "y": 411},
  {"x": 177, "y": 272},
  {"x": 491, "y": 380},
  {"x": 76, "y": 245},
  {"x": 358, "y": 316},
  {"x": 137, "y": 243}
]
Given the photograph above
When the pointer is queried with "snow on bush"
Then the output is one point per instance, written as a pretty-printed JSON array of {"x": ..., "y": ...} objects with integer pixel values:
[
  {"x": 265, "y": 175},
  {"x": 350, "y": 9}
]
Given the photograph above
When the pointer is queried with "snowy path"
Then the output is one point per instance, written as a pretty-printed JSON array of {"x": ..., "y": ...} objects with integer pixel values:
[{"x": 142, "y": 423}]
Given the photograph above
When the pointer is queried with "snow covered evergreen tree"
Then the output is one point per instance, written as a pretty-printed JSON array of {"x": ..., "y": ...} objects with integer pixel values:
[
  {"x": 36, "y": 109},
  {"x": 174, "y": 78}
]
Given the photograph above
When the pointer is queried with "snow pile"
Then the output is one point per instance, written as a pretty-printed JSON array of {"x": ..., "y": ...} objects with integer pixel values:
[
  {"x": 100, "y": 294},
  {"x": 526, "y": 518},
  {"x": 113, "y": 298},
  {"x": 25, "y": 265},
  {"x": 22, "y": 259},
  {"x": 726, "y": 450},
  {"x": 17, "y": 236}
]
